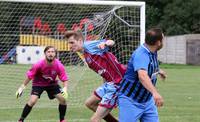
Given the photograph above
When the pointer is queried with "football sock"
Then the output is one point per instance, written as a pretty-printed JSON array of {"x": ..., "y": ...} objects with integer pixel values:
[
  {"x": 25, "y": 112},
  {"x": 62, "y": 111}
]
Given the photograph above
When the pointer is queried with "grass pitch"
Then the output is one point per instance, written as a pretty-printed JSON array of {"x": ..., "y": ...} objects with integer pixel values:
[{"x": 180, "y": 91}]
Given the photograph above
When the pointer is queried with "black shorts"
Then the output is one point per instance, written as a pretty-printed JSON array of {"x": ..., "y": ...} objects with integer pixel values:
[{"x": 51, "y": 90}]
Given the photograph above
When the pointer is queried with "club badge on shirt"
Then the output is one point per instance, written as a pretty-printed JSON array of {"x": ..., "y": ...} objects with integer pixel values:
[
  {"x": 47, "y": 77},
  {"x": 101, "y": 71},
  {"x": 53, "y": 72}
]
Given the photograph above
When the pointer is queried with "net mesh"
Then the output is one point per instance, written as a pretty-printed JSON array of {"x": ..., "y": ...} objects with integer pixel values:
[{"x": 42, "y": 24}]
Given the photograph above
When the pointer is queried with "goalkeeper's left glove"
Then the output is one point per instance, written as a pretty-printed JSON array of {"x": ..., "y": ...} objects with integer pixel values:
[
  {"x": 20, "y": 91},
  {"x": 64, "y": 93}
]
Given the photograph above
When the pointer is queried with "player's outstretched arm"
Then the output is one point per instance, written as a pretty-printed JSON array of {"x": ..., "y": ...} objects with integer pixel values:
[
  {"x": 109, "y": 43},
  {"x": 21, "y": 88}
]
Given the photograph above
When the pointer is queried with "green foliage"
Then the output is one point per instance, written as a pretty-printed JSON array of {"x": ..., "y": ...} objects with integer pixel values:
[
  {"x": 175, "y": 17},
  {"x": 184, "y": 15}
]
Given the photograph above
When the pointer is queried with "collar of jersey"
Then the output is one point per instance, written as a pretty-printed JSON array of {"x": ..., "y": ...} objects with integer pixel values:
[{"x": 147, "y": 49}]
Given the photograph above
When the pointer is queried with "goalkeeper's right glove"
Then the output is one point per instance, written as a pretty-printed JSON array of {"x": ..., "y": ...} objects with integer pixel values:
[
  {"x": 64, "y": 93},
  {"x": 20, "y": 91}
]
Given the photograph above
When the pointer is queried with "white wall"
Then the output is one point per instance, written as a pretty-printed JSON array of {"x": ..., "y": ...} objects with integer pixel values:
[{"x": 174, "y": 49}]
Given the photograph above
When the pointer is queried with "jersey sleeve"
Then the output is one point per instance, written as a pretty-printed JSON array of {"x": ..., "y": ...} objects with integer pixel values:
[
  {"x": 141, "y": 61},
  {"x": 31, "y": 72},
  {"x": 92, "y": 47},
  {"x": 62, "y": 73}
]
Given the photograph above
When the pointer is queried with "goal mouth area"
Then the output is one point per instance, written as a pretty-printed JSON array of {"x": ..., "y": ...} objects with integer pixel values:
[{"x": 38, "y": 23}]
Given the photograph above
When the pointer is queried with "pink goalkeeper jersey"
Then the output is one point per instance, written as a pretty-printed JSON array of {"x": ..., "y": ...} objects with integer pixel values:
[{"x": 43, "y": 74}]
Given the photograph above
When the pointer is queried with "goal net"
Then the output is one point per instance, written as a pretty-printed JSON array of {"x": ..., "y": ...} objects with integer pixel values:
[{"x": 27, "y": 26}]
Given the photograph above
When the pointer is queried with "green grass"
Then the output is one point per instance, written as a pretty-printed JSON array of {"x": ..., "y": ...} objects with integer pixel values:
[
  {"x": 181, "y": 94},
  {"x": 180, "y": 91}
]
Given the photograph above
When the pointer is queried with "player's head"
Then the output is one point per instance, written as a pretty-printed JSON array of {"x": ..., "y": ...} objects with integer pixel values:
[
  {"x": 75, "y": 40},
  {"x": 50, "y": 53},
  {"x": 154, "y": 37}
]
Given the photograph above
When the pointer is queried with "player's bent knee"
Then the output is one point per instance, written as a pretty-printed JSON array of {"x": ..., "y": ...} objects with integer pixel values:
[
  {"x": 91, "y": 104},
  {"x": 32, "y": 102},
  {"x": 87, "y": 103},
  {"x": 63, "y": 101}
]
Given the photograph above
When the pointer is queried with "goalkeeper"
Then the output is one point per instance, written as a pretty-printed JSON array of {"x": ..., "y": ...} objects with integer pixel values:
[
  {"x": 100, "y": 60},
  {"x": 43, "y": 75}
]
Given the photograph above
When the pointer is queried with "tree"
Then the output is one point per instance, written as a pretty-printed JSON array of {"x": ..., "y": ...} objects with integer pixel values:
[{"x": 175, "y": 17}]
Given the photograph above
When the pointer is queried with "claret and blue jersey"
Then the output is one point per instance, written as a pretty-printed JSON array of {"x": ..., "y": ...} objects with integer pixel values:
[{"x": 103, "y": 62}]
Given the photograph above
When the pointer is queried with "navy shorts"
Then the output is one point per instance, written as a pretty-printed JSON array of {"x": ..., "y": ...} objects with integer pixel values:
[{"x": 51, "y": 90}]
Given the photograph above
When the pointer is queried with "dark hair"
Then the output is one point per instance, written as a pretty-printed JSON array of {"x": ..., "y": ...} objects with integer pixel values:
[
  {"x": 77, "y": 34},
  {"x": 153, "y": 35},
  {"x": 48, "y": 47}
]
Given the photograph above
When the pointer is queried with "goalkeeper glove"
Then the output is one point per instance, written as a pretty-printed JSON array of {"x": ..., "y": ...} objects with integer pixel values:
[
  {"x": 64, "y": 93},
  {"x": 20, "y": 91}
]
